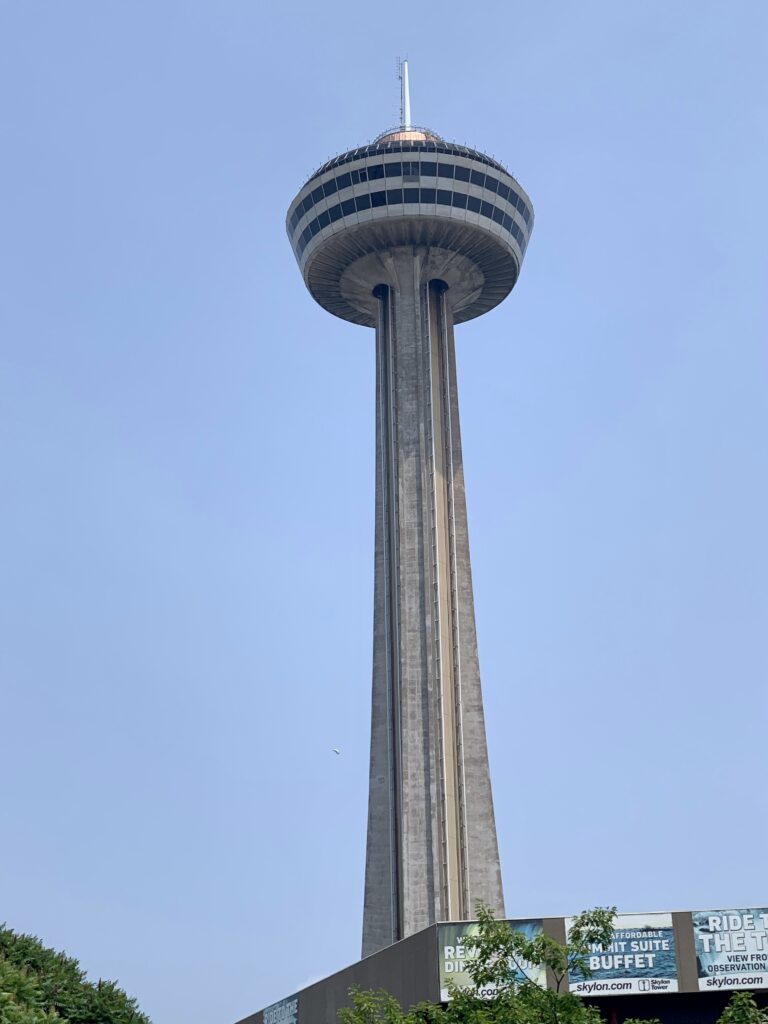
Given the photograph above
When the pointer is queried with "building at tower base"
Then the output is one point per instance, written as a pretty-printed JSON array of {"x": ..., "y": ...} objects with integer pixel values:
[{"x": 681, "y": 977}]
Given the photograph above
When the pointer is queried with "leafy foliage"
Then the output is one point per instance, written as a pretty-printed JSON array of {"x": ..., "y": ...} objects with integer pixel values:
[
  {"x": 502, "y": 955},
  {"x": 742, "y": 1009},
  {"x": 502, "y": 960},
  {"x": 21, "y": 1001},
  {"x": 40, "y": 986}
]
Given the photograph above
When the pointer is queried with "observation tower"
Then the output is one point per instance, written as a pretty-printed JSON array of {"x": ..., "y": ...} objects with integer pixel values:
[{"x": 411, "y": 235}]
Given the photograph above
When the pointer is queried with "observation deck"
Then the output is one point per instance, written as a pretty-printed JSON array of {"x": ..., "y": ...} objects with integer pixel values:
[{"x": 410, "y": 188}]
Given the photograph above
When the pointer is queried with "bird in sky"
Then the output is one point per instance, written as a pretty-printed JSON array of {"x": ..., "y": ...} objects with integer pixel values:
[{"x": 336, "y": 750}]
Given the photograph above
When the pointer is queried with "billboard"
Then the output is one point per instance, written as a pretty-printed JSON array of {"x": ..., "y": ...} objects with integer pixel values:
[
  {"x": 456, "y": 946},
  {"x": 286, "y": 1011},
  {"x": 731, "y": 948},
  {"x": 641, "y": 958}
]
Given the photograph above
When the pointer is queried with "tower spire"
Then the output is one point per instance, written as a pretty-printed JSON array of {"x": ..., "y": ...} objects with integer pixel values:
[{"x": 405, "y": 95}]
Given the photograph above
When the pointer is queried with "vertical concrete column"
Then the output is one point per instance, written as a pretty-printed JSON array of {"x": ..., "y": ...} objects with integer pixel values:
[
  {"x": 431, "y": 834},
  {"x": 382, "y": 912},
  {"x": 446, "y": 633},
  {"x": 481, "y": 852}
]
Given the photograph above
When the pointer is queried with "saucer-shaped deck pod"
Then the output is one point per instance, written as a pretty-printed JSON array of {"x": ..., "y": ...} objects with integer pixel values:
[{"x": 410, "y": 188}]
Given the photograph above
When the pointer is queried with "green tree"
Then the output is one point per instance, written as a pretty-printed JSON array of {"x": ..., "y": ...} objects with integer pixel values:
[
  {"x": 503, "y": 960},
  {"x": 742, "y": 1009},
  {"x": 40, "y": 986},
  {"x": 21, "y": 1001}
]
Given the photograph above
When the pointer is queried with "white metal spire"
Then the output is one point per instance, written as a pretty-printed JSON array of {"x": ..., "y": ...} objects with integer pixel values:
[{"x": 405, "y": 95}]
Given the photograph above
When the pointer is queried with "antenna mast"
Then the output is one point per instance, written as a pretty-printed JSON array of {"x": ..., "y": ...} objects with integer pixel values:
[{"x": 405, "y": 94}]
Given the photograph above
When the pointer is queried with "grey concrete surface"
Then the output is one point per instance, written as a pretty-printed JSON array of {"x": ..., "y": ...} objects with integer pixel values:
[
  {"x": 432, "y": 850},
  {"x": 412, "y": 237}
]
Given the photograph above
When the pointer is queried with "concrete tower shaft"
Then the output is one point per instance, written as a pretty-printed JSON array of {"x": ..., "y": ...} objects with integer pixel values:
[
  {"x": 411, "y": 235},
  {"x": 432, "y": 850}
]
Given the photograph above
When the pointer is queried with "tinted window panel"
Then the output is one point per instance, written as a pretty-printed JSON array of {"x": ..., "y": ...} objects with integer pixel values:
[
  {"x": 379, "y": 198},
  {"x": 503, "y": 190},
  {"x": 363, "y": 202},
  {"x": 355, "y": 176},
  {"x": 427, "y": 195},
  {"x": 314, "y": 227},
  {"x": 428, "y": 167},
  {"x": 330, "y": 187},
  {"x": 335, "y": 212},
  {"x": 394, "y": 196},
  {"x": 507, "y": 222},
  {"x": 324, "y": 219},
  {"x": 393, "y": 170},
  {"x": 444, "y": 197},
  {"x": 445, "y": 170},
  {"x": 344, "y": 181},
  {"x": 317, "y": 194},
  {"x": 473, "y": 204},
  {"x": 348, "y": 206},
  {"x": 376, "y": 172},
  {"x": 526, "y": 215},
  {"x": 477, "y": 178},
  {"x": 411, "y": 195},
  {"x": 460, "y": 200},
  {"x": 498, "y": 216},
  {"x": 363, "y": 172},
  {"x": 486, "y": 209},
  {"x": 491, "y": 183},
  {"x": 462, "y": 173}
]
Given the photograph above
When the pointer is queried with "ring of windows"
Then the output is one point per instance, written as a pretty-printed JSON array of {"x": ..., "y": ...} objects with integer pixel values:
[
  {"x": 410, "y": 171},
  {"x": 399, "y": 196}
]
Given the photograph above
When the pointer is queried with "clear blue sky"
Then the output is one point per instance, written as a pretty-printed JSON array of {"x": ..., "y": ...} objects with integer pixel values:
[{"x": 186, "y": 457}]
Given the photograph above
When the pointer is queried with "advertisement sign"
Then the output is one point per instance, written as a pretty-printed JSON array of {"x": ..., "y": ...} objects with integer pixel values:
[
  {"x": 731, "y": 948},
  {"x": 455, "y": 944},
  {"x": 641, "y": 958},
  {"x": 284, "y": 1012}
]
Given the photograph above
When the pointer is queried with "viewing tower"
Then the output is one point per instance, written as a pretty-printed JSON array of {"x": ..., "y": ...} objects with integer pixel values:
[{"x": 411, "y": 235}]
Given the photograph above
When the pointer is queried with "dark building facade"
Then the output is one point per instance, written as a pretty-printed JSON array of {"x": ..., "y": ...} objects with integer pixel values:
[{"x": 680, "y": 968}]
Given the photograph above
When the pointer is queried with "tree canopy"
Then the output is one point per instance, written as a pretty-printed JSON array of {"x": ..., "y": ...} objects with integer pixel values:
[
  {"x": 40, "y": 986},
  {"x": 742, "y": 1009}
]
